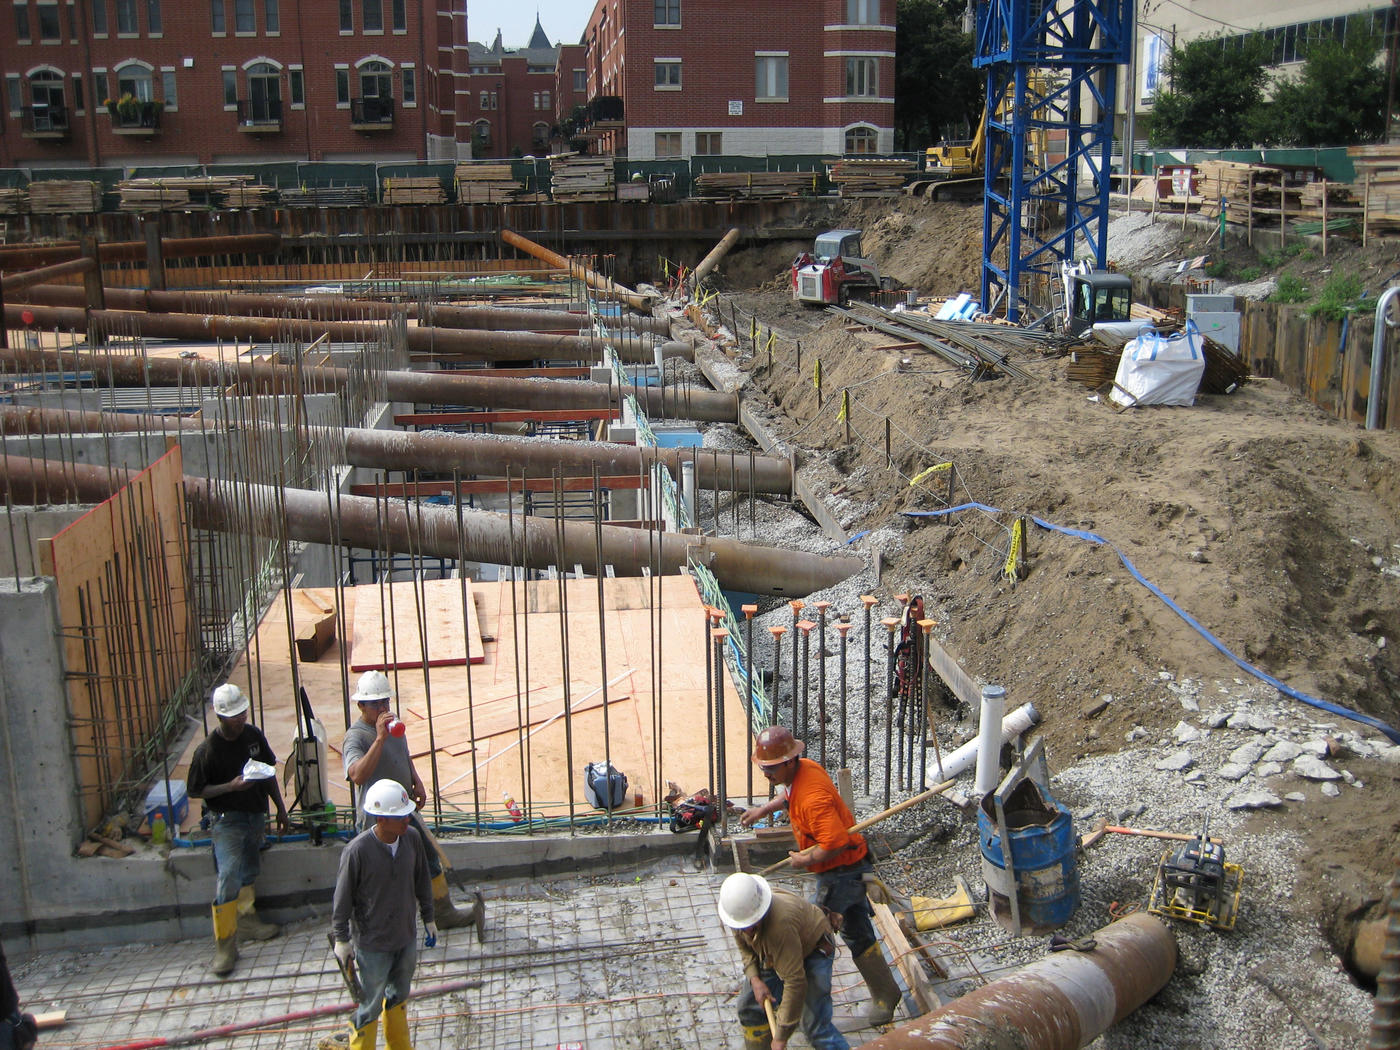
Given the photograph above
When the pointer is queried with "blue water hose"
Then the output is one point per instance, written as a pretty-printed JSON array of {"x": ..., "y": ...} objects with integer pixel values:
[{"x": 1356, "y": 716}]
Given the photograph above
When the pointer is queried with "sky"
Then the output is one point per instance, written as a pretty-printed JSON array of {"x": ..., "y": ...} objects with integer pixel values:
[{"x": 563, "y": 20}]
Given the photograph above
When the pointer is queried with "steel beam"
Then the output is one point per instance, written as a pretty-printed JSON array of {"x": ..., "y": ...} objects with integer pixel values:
[{"x": 27, "y": 257}]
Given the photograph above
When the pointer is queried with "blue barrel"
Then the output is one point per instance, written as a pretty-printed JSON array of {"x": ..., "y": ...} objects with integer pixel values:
[{"x": 1042, "y": 857}]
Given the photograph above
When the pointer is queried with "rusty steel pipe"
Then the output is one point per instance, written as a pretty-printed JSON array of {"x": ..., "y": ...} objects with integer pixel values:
[
  {"x": 439, "y": 451},
  {"x": 365, "y": 522},
  {"x": 28, "y": 257},
  {"x": 1385, "y": 1017},
  {"x": 496, "y": 318},
  {"x": 414, "y": 388},
  {"x": 576, "y": 269},
  {"x": 1063, "y": 1002},
  {"x": 718, "y": 252},
  {"x": 25, "y": 282}
]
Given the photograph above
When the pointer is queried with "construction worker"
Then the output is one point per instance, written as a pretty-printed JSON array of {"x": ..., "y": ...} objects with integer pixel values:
[
  {"x": 371, "y": 752},
  {"x": 383, "y": 874},
  {"x": 839, "y": 858},
  {"x": 787, "y": 947},
  {"x": 235, "y": 798},
  {"x": 17, "y": 1030}
]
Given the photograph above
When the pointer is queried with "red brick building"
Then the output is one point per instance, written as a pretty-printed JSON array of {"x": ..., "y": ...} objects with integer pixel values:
[
  {"x": 516, "y": 98},
  {"x": 738, "y": 77}
]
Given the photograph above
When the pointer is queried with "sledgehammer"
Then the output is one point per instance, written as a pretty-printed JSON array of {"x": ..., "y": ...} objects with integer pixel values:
[{"x": 1103, "y": 829}]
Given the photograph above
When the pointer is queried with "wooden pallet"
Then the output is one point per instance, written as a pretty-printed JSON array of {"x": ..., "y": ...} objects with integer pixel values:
[{"x": 54, "y": 196}]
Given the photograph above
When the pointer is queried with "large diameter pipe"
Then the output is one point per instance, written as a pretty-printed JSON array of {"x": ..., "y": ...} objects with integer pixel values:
[
  {"x": 365, "y": 522},
  {"x": 442, "y": 452},
  {"x": 989, "y": 739},
  {"x": 576, "y": 269},
  {"x": 718, "y": 252},
  {"x": 500, "y": 319},
  {"x": 1013, "y": 725},
  {"x": 1063, "y": 1002},
  {"x": 414, "y": 388},
  {"x": 1373, "y": 396},
  {"x": 19, "y": 285},
  {"x": 1385, "y": 1019},
  {"x": 436, "y": 343},
  {"x": 27, "y": 257}
]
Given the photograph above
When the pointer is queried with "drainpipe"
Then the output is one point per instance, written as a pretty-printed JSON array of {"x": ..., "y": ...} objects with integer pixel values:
[
  {"x": 1063, "y": 1002},
  {"x": 989, "y": 739},
  {"x": 1014, "y": 724},
  {"x": 1373, "y": 399}
]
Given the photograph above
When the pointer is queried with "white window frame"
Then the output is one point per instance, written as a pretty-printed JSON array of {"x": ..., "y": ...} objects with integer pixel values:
[
  {"x": 668, "y": 4},
  {"x": 296, "y": 72},
  {"x": 771, "y": 57},
  {"x": 862, "y": 71},
  {"x": 846, "y": 134},
  {"x": 659, "y": 64},
  {"x": 342, "y": 67},
  {"x": 409, "y": 70},
  {"x": 709, "y": 153},
  {"x": 224, "y": 72},
  {"x": 680, "y": 145},
  {"x": 867, "y": 13},
  {"x": 171, "y": 99}
]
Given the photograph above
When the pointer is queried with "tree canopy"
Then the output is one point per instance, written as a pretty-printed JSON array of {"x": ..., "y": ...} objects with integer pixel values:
[
  {"x": 936, "y": 86},
  {"x": 1337, "y": 100},
  {"x": 1216, "y": 95}
]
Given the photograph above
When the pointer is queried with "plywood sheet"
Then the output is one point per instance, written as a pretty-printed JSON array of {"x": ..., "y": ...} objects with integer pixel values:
[{"x": 389, "y": 627}]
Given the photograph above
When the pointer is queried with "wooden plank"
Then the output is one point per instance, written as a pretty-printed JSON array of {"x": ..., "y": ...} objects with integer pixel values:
[
  {"x": 380, "y": 645},
  {"x": 909, "y": 964}
]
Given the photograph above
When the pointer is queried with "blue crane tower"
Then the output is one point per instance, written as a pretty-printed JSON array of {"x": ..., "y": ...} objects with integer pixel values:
[{"x": 1051, "y": 67}]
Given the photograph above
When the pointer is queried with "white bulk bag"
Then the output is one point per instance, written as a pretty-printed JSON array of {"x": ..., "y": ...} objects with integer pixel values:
[{"x": 1158, "y": 369}]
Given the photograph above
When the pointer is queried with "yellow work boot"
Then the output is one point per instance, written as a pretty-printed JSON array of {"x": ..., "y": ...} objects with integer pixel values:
[
  {"x": 250, "y": 926},
  {"x": 446, "y": 914},
  {"x": 884, "y": 990},
  {"x": 364, "y": 1038},
  {"x": 225, "y": 939},
  {"x": 396, "y": 1028},
  {"x": 757, "y": 1037}
]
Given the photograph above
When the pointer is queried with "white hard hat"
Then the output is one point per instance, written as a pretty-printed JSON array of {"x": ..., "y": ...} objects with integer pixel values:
[
  {"x": 229, "y": 700},
  {"x": 387, "y": 798},
  {"x": 373, "y": 685},
  {"x": 743, "y": 900}
]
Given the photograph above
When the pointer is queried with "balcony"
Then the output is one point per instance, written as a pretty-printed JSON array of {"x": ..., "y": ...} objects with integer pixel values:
[
  {"x": 259, "y": 116},
  {"x": 135, "y": 118},
  {"x": 44, "y": 122},
  {"x": 375, "y": 113}
]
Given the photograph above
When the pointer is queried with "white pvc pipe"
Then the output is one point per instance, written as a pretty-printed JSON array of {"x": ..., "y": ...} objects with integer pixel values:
[
  {"x": 1017, "y": 722},
  {"x": 989, "y": 739},
  {"x": 1373, "y": 397},
  {"x": 688, "y": 487}
]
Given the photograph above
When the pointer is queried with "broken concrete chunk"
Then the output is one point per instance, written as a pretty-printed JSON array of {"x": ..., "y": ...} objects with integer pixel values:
[
  {"x": 1249, "y": 720},
  {"x": 1268, "y": 769},
  {"x": 1247, "y": 754},
  {"x": 1296, "y": 796},
  {"x": 1314, "y": 768},
  {"x": 1185, "y": 732},
  {"x": 1283, "y": 751},
  {"x": 1232, "y": 771},
  {"x": 1216, "y": 719},
  {"x": 1331, "y": 790},
  {"x": 1095, "y": 705},
  {"x": 1316, "y": 747},
  {"x": 1253, "y": 800},
  {"x": 1177, "y": 762}
]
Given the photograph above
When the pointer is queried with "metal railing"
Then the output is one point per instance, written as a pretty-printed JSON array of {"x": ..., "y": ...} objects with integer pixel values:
[
  {"x": 375, "y": 110},
  {"x": 259, "y": 111}
]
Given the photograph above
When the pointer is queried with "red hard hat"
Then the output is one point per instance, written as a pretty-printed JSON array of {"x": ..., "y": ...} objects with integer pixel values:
[{"x": 775, "y": 745}]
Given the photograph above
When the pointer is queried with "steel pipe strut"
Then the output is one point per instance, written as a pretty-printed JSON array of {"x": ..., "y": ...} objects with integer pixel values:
[
  {"x": 22, "y": 285},
  {"x": 26, "y": 257},
  {"x": 438, "y": 451},
  {"x": 718, "y": 252},
  {"x": 1063, "y": 1002},
  {"x": 500, "y": 319},
  {"x": 413, "y": 388},
  {"x": 1385, "y": 1018},
  {"x": 364, "y": 522},
  {"x": 576, "y": 269}
]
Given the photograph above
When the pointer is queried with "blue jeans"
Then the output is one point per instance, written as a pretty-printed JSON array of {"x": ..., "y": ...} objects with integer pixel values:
[
  {"x": 843, "y": 890},
  {"x": 384, "y": 980},
  {"x": 238, "y": 839},
  {"x": 816, "y": 1009}
]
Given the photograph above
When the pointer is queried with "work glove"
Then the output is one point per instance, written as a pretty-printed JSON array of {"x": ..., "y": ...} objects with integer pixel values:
[
  {"x": 430, "y": 937},
  {"x": 344, "y": 952}
]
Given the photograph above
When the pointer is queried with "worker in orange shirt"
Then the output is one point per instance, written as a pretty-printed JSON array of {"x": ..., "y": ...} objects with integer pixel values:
[{"x": 838, "y": 857}]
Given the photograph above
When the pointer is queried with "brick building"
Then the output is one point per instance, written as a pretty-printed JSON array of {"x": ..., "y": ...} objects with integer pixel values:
[
  {"x": 737, "y": 77},
  {"x": 516, "y": 98}
]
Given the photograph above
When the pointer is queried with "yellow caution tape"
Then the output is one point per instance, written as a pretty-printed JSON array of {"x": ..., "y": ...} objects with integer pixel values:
[
  {"x": 1012, "y": 569},
  {"x": 769, "y": 344},
  {"x": 817, "y": 374},
  {"x": 845, "y": 406},
  {"x": 923, "y": 474}
]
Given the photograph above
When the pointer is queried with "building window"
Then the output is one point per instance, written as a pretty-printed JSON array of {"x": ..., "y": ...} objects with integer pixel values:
[
  {"x": 481, "y": 133},
  {"x": 99, "y": 17},
  {"x": 171, "y": 97},
  {"x": 264, "y": 94},
  {"x": 666, "y": 13},
  {"x": 488, "y": 100},
  {"x": 580, "y": 80},
  {"x": 101, "y": 87},
  {"x": 862, "y": 79},
  {"x": 49, "y": 31},
  {"x": 296, "y": 87},
  {"x": 230, "y": 88},
  {"x": 708, "y": 143},
  {"x": 22, "y": 22},
  {"x": 217, "y": 25},
  {"x": 539, "y": 136},
  {"x": 376, "y": 80},
  {"x": 13, "y": 96},
  {"x": 862, "y": 140},
  {"x": 46, "y": 95},
  {"x": 244, "y": 21},
  {"x": 668, "y": 144},
  {"x": 410, "y": 86},
  {"x": 272, "y": 16},
  {"x": 771, "y": 79},
  {"x": 342, "y": 87},
  {"x": 126, "y": 17},
  {"x": 862, "y": 12},
  {"x": 542, "y": 101},
  {"x": 78, "y": 92},
  {"x": 347, "y": 22},
  {"x": 399, "y": 13},
  {"x": 135, "y": 81},
  {"x": 153, "y": 17},
  {"x": 668, "y": 74},
  {"x": 373, "y": 12}
]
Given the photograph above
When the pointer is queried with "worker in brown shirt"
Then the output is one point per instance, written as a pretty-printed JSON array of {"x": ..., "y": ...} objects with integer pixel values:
[{"x": 787, "y": 948}]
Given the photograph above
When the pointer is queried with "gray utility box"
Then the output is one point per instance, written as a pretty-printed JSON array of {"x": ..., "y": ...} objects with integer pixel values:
[{"x": 1216, "y": 317}]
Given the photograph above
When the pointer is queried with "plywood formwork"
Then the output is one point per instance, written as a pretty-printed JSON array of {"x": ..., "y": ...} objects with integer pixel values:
[{"x": 512, "y": 737}]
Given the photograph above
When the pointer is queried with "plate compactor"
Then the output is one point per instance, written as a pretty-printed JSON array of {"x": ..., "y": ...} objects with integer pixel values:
[{"x": 1194, "y": 883}]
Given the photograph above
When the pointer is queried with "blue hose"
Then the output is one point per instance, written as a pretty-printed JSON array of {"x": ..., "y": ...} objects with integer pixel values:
[{"x": 1356, "y": 716}]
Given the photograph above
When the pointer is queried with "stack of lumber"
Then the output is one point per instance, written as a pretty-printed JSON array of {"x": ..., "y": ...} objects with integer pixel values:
[
  {"x": 326, "y": 197},
  {"x": 415, "y": 190},
  {"x": 1259, "y": 194},
  {"x": 480, "y": 182},
  {"x": 870, "y": 178},
  {"x": 1378, "y": 184},
  {"x": 757, "y": 183},
  {"x": 575, "y": 177},
  {"x": 53, "y": 196},
  {"x": 246, "y": 195},
  {"x": 13, "y": 201}
]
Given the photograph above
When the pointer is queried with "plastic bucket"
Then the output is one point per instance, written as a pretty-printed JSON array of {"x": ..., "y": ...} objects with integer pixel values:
[{"x": 1043, "y": 859}]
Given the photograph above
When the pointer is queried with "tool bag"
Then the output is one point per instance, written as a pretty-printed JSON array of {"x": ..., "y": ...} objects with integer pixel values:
[
  {"x": 604, "y": 786},
  {"x": 689, "y": 813},
  {"x": 1158, "y": 369}
]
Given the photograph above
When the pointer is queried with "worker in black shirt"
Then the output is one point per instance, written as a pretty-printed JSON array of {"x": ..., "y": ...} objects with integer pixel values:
[
  {"x": 17, "y": 1030},
  {"x": 235, "y": 795}
]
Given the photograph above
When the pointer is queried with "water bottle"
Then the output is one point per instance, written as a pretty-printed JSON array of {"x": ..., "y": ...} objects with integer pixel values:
[
  {"x": 516, "y": 813},
  {"x": 397, "y": 728},
  {"x": 157, "y": 830}
]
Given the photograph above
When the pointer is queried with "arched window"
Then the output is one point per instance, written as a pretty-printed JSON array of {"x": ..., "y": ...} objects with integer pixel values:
[
  {"x": 481, "y": 132},
  {"x": 49, "y": 110},
  {"x": 264, "y": 93},
  {"x": 376, "y": 80},
  {"x": 539, "y": 139},
  {"x": 134, "y": 79},
  {"x": 862, "y": 140}
]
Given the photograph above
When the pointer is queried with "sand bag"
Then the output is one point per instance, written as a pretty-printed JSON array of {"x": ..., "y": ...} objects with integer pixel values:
[{"x": 1158, "y": 369}]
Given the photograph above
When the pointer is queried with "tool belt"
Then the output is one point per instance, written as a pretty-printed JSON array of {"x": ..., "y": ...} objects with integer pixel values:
[{"x": 827, "y": 945}]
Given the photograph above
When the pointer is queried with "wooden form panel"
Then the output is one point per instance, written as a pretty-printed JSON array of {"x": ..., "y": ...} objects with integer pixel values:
[{"x": 389, "y": 629}]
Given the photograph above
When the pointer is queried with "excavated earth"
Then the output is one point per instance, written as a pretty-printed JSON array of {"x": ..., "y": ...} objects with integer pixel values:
[{"x": 1270, "y": 526}]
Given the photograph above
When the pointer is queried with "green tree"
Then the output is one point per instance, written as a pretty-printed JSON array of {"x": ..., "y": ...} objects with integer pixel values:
[
  {"x": 1337, "y": 100},
  {"x": 1216, "y": 95},
  {"x": 936, "y": 86}
]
